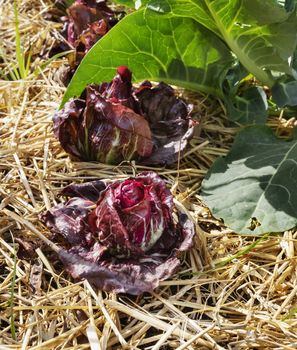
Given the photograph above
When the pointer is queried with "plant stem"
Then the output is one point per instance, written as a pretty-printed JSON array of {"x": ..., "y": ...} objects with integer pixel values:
[
  {"x": 242, "y": 251},
  {"x": 18, "y": 46}
]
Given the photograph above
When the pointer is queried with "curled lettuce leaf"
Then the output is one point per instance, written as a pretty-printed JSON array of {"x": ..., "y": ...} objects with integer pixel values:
[
  {"x": 125, "y": 240},
  {"x": 116, "y": 122}
]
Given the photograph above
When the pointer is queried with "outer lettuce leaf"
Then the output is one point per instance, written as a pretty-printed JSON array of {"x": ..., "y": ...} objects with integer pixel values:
[
  {"x": 169, "y": 120},
  {"x": 133, "y": 276},
  {"x": 70, "y": 221},
  {"x": 166, "y": 114},
  {"x": 88, "y": 191}
]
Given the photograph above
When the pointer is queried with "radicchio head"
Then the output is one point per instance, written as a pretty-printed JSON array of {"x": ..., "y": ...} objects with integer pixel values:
[
  {"x": 85, "y": 22},
  {"x": 124, "y": 241},
  {"x": 117, "y": 122}
]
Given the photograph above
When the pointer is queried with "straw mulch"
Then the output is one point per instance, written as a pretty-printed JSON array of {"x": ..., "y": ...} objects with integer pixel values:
[{"x": 231, "y": 292}]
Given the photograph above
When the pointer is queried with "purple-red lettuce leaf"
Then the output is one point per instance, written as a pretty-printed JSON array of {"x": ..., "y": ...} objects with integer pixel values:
[
  {"x": 169, "y": 120},
  {"x": 71, "y": 220},
  {"x": 127, "y": 241},
  {"x": 89, "y": 190},
  {"x": 116, "y": 122}
]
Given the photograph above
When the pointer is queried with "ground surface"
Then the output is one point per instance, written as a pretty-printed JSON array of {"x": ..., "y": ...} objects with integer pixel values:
[{"x": 231, "y": 292}]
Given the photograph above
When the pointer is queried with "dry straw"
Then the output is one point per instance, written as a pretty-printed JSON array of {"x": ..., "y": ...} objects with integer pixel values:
[{"x": 231, "y": 292}]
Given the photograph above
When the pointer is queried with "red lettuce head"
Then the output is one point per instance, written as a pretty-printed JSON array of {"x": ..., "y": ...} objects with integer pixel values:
[
  {"x": 116, "y": 123},
  {"x": 139, "y": 212},
  {"x": 126, "y": 239},
  {"x": 85, "y": 22},
  {"x": 102, "y": 129}
]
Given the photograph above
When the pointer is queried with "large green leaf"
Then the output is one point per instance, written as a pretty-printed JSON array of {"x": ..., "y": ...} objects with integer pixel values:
[
  {"x": 262, "y": 34},
  {"x": 248, "y": 108},
  {"x": 173, "y": 49},
  {"x": 253, "y": 189},
  {"x": 285, "y": 93},
  {"x": 244, "y": 104}
]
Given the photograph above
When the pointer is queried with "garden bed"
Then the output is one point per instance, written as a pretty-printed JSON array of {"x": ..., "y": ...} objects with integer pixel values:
[{"x": 231, "y": 292}]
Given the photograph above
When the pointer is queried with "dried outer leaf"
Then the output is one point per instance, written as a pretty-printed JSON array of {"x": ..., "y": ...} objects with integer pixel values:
[
  {"x": 27, "y": 248},
  {"x": 67, "y": 124},
  {"x": 166, "y": 113},
  {"x": 105, "y": 244},
  {"x": 36, "y": 277},
  {"x": 169, "y": 153}
]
